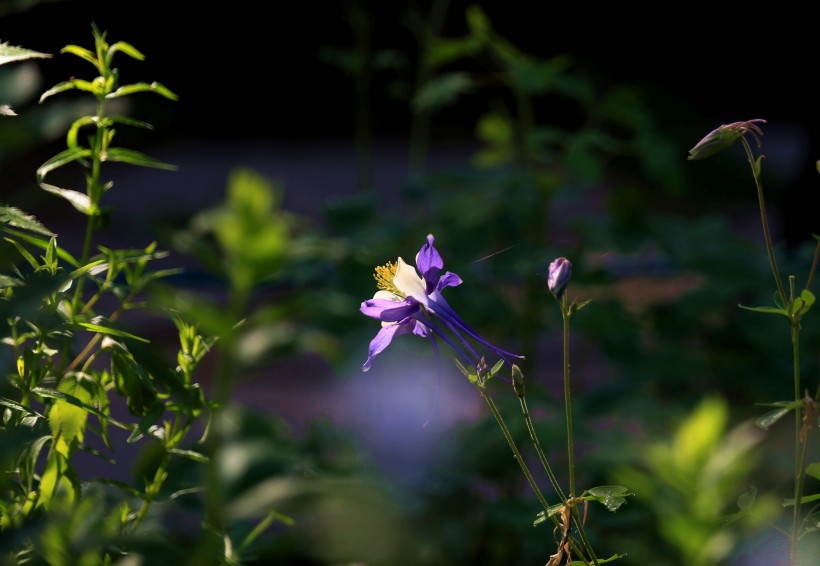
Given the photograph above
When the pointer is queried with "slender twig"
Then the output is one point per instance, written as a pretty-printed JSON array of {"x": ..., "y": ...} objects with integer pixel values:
[{"x": 764, "y": 221}]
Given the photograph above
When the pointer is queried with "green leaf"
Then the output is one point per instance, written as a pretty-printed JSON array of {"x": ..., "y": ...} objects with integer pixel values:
[
  {"x": 600, "y": 560},
  {"x": 190, "y": 454},
  {"x": 15, "y": 406},
  {"x": 62, "y": 158},
  {"x": 802, "y": 303},
  {"x": 42, "y": 244},
  {"x": 67, "y": 420},
  {"x": 24, "y": 252},
  {"x": 10, "y": 54},
  {"x": 804, "y": 499},
  {"x": 814, "y": 470},
  {"x": 71, "y": 137},
  {"x": 80, "y": 404},
  {"x": 442, "y": 91},
  {"x": 111, "y": 331},
  {"x": 768, "y": 310},
  {"x": 783, "y": 407},
  {"x": 143, "y": 87},
  {"x": 83, "y": 53},
  {"x": 611, "y": 496},
  {"x": 57, "y": 89},
  {"x": 126, "y": 48},
  {"x": 19, "y": 219},
  {"x": 123, "y": 155},
  {"x": 552, "y": 510}
]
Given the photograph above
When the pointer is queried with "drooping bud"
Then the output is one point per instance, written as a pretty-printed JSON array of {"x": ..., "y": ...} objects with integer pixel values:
[
  {"x": 724, "y": 136},
  {"x": 558, "y": 277},
  {"x": 518, "y": 381}
]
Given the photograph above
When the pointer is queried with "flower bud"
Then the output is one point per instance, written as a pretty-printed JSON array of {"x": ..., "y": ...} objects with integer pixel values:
[
  {"x": 518, "y": 381},
  {"x": 724, "y": 136},
  {"x": 559, "y": 273}
]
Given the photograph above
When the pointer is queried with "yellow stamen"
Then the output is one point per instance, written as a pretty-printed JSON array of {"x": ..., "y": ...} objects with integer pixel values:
[{"x": 384, "y": 277}]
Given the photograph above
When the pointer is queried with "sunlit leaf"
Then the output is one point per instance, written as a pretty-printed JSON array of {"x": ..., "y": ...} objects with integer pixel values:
[
  {"x": 111, "y": 331},
  {"x": 19, "y": 219},
  {"x": 10, "y": 54},
  {"x": 813, "y": 470},
  {"x": 143, "y": 87},
  {"x": 123, "y": 155}
]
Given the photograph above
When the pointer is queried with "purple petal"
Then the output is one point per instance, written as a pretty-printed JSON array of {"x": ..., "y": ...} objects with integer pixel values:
[
  {"x": 449, "y": 279},
  {"x": 384, "y": 337},
  {"x": 389, "y": 311},
  {"x": 429, "y": 263}
]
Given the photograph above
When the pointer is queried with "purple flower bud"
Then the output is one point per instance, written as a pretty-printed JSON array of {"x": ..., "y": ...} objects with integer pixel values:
[{"x": 559, "y": 274}]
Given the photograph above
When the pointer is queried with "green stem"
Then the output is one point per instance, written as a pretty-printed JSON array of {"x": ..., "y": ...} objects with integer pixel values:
[
  {"x": 499, "y": 419},
  {"x": 94, "y": 193},
  {"x": 565, "y": 313},
  {"x": 539, "y": 450},
  {"x": 799, "y": 454},
  {"x": 764, "y": 220},
  {"x": 517, "y": 454},
  {"x": 567, "y": 400}
]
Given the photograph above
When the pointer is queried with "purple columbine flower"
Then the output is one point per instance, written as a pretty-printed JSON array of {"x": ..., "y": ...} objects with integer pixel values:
[
  {"x": 408, "y": 303},
  {"x": 558, "y": 276}
]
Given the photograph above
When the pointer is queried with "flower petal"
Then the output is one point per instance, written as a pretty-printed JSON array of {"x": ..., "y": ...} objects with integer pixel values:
[
  {"x": 408, "y": 282},
  {"x": 389, "y": 311},
  {"x": 449, "y": 279},
  {"x": 384, "y": 337},
  {"x": 430, "y": 263}
]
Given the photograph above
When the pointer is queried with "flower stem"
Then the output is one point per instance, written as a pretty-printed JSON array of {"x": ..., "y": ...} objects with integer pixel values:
[
  {"x": 567, "y": 401},
  {"x": 541, "y": 456},
  {"x": 566, "y": 314},
  {"x": 517, "y": 454},
  {"x": 764, "y": 220},
  {"x": 799, "y": 454}
]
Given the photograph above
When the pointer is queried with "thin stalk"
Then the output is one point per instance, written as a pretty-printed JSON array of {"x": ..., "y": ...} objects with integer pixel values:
[
  {"x": 517, "y": 454},
  {"x": 764, "y": 221},
  {"x": 94, "y": 194},
  {"x": 567, "y": 400},
  {"x": 799, "y": 454},
  {"x": 565, "y": 314},
  {"x": 813, "y": 267},
  {"x": 541, "y": 456}
]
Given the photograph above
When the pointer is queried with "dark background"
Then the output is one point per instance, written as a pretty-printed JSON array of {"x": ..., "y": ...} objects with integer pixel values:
[{"x": 255, "y": 71}]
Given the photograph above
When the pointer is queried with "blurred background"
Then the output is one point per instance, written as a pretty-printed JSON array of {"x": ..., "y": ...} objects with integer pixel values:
[{"x": 515, "y": 134}]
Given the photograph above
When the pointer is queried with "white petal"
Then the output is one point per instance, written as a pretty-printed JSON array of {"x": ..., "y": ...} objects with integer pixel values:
[
  {"x": 407, "y": 281},
  {"x": 387, "y": 296}
]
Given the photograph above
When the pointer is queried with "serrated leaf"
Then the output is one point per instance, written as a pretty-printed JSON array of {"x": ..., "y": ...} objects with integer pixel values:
[
  {"x": 123, "y": 155},
  {"x": 24, "y": 252},
  {"x": 11, "y": 53},
  {"x": 67, "y": 420},
  {"x": 813, "y": 470},
  {"x": 19, "y": 219}
]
